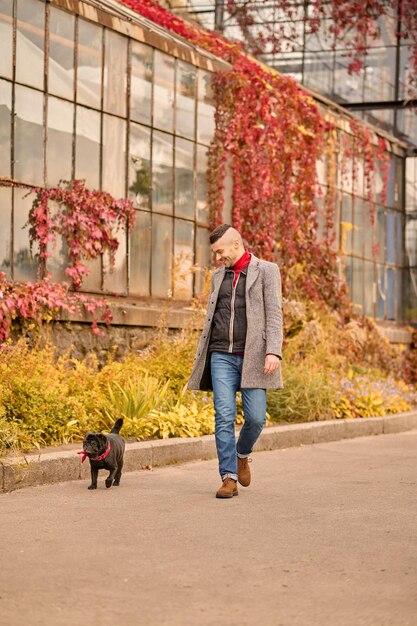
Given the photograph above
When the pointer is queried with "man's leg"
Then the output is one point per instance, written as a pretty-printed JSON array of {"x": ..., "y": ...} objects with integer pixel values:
[
  {"x": 225, "y": 376},
  {"x": 254, "y": 408}
]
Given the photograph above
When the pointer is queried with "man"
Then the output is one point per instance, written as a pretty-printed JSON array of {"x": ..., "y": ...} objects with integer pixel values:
[{"x": 239, "y": 350}]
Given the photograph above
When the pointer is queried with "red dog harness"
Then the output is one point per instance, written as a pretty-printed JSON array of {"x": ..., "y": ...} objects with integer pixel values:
[{"x": 98, "y": 458}]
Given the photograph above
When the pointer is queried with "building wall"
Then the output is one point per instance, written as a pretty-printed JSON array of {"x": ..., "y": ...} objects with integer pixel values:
[{"x": 85, "y": 96}]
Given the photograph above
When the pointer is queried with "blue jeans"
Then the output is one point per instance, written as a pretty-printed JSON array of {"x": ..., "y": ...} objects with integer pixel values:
[{"x": 226, "y": 374}]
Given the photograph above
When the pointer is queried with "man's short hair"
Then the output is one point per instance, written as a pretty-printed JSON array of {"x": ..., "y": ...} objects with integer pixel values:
[{"x": 218, "y": 232}]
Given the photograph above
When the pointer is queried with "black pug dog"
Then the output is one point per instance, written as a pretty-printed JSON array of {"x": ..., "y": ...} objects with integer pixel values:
[{"x": 105, "y": 452}]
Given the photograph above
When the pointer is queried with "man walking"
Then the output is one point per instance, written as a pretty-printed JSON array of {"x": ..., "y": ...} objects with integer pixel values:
[{"x": 239, "y": 350}]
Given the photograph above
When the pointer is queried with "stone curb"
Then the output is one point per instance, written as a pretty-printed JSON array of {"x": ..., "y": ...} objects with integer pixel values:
[{"x": 54, "y": 467}]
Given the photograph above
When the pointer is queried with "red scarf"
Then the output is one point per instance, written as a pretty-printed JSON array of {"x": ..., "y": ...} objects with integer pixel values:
[
  {"x": 98, "y": 458},
  {"x": 240, "y": 265}
]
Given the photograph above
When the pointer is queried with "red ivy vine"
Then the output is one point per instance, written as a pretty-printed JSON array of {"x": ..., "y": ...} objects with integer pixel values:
[
  {"x": 87, "y": 220},
  {"x": 43, "y": 301}
]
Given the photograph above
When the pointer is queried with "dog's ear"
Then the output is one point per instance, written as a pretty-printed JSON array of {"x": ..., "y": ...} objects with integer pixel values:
[{"x": 102, "y": 439}]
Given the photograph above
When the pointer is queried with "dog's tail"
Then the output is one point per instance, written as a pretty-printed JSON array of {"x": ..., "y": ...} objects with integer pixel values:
[{"x": 117, "y": 426}]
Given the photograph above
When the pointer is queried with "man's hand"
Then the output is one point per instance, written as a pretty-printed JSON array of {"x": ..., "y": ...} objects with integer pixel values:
[{"x": 271, "y": 363}]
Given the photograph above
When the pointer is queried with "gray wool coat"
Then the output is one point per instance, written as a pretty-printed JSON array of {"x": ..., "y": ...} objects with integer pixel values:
[{"x": 264, "y": 328}]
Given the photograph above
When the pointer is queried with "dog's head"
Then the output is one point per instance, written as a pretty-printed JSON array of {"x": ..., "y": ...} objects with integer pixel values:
[{"x": 94, "y": 444}]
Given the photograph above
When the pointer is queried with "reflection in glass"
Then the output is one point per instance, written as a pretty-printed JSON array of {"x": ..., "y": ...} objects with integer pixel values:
[
  {"x": 358, "y": 224},
  {"x": 201, "y": 167},
  {"x": 28, "y": 138},
  {"x": 380, "y": 225},
  {"x": 357, "y": 285},
  {"x": 379, "y": 74},
  {"x": 318, "y": 71},
  {"x": 161, "y": 256},
  {"x": 183, "y": 259},
  {"x": 5, "y": 230},
  {"x": 184, "y": 178},
  {"x": 6, "y": 38},
  {"x": 346, "y": 87},
  {"x": 59, "y": 141},
  {"x": 205, "y": 108},
  {"x": 25, "y": 265},
  {"x": 61, "y": 53},
  {"x": 185, "y": 100},
  {"x": 114, "y": 155},
  {"x": 202, "y": 258},
  {"x": 30, "y": 42},
  {"x": 140, "y": 255},
  {"x": 163, "y": 105},
  {"x": 5, "y": 127},
  {"x": 141, "y": 83},
  {"x": 369, "y": 288},
  {"x": 390, "y": 223},
  {"x": 162, "y": 170},
  {"x": 87, "y": 147},
  {"x": 381, "y": 293},
  {"x": 115, "y": 73},
  {"x": 346, "y": 225},
  {"x": 140, "y": 166},
  {"x": 89, "y": 63}
]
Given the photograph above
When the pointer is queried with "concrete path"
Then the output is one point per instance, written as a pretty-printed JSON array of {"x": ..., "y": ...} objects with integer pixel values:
[{"x": 325, "y": 536}]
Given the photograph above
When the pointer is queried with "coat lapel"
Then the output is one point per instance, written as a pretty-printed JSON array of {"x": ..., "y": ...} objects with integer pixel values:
[{"x": 253, "y": 272}]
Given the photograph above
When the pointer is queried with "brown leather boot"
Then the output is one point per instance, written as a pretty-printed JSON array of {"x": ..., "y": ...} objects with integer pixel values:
[
  {"x": 243, "y": 471},
  {"x": 228, "y": 489}
]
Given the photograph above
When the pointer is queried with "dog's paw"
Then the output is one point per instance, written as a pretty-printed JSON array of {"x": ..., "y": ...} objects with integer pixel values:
[
  {"x": 93, "y": 487},
  {"x": 116, "y": 483},
  {"x": 109, "y": 483}
]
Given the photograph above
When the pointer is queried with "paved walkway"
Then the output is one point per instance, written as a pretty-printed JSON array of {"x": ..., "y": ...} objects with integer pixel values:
[{"x": 325, "y": 536}]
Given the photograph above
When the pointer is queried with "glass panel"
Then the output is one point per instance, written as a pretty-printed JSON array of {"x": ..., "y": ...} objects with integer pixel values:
[
  {"x": 369, "y": 289},
  {"x": 140, "y": 166},
  {"x": 391, "y": 293},
  {"x": 318, "y": 71},
  {"x": 185, "y": 100},
  {"x": 114, "y": 156},
  {"x": 380, "y": 217},
  {"x": 24, "y": 265},
  {"x": 411, "y": 241},
  {"x": 141, "y": 83},
  {"x": 410, "y": 294},
  {"x": 323, "y": 39},
  {"x": 5, "y": 126},
  {"x": 379, "y": 74},
  {"x": 358, "y": 221},
  {"x": 202, "y": 204},
  {"x": 87, "y": 147},
  {"x": 184, "y": 178},
  {"x": 369, "y": 232},
  {"x": 92, "y": 282},
  {"x": 407, "y": 124},
  {"x": 346, "y": 87},
  {"x": 163, "y": 105},
  {"x": 6, "y": 38},
  {"x": 205, "y": 108},
  {"x": 28, "y": 138},
  {"x": 347, "y": 267},
  {"x": 162, "y": 172},
  {"x": 89, "y": 63},
  {"x": 400, "y": 229},
  {"x": 161, "y": 256},
  {"x": 357, "y": 284},
  {"x": 115, "y": 279},
  {"x": 61, "y": 53},
  {"x": 346, "y": 225},
  {"x": 390, "y": 237},
  {"x": 5, "y": 230},
  {"x": 115, "y": 73},
  {"x": 381, "y": 291},
  {"x": 398, "y": 182},
  {"x": 183, "y": 260},
  {"x": 202, "y": 258},
  {"x": 411, "y": 184},
  {"x": 30, "y": 42},
  {"x": 59, "y": 141},
  {"x": 140, "y": 255}
]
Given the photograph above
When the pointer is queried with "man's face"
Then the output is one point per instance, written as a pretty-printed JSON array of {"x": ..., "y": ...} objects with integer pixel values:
[{"x": 226, "y": 250}]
